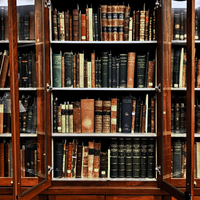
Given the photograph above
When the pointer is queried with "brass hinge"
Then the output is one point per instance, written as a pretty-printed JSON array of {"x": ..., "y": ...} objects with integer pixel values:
[
  {"x": 158, "y": 169},
  {"x": 50, "y": 169},
  {"x": 49, "y": 88},
  {"x": 158, "y": 87},
  {"x": 47, "y": 4},
  {"x": 157, "y": 4}
]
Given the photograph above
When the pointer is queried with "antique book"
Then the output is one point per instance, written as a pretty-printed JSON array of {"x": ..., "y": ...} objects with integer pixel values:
[
  {"x": 64, "y": 158},
  {"x": 146, "y": 33},
  {"x": 81, "y": 70},
  {"x": 128, "y": 149},
  {"x": 97, "y": 150},
  {"x": 137, "y": 25},
  {"x": 183, "y": 159},
  {"x": 127, "y": 11},
  {"x": 69, "y": 160},
  {"x": 31, "y": 26},
  {"x": 58, "y": 24},
  {"x": 74, "y": 158},
  {"x": 198, "y": 74},
  {"x": 2, "y": 159},
  {"x": 104, "y": 22},
  {"x": 137, "y": 114},
  {"x": 57, "y": 70},
  {"x": 141, "y": 62},
  {"x": 151, "y": 158},
  {"x": 123, "y": 71},
  {"x": 121, "y": 22},
  {"x": 121, "y": 158},
  {"x": 106, "y": 116},
  {"x": 131, "y": 69},
  {"x": 67, "y": 117},
  {"x": 151, "y": 74},
  {"x": 83, "y": 27},
  {"x": 184, "y": 69},
  {"x": 98, "y": 116},
  {"x": 115, "y": 23},
  {"x": 63, "y": 71},
  {"x": 68, "y": 62},
  {"x": 126, "y": 114},
  {"x": 181, "y": 68},
  {"x": 133, "y": 36},
  {"x": 75, "y": 23},
  {"x": 62, "y": 26},
  {"x": 4, "y": 68},
  {"x": 109, "y": 69},
  {"x": 143, "y": 157},
  {"x": 90, "y": 159},
  {"x": 133, "y": 115},
  {"x": 89, "y": 75},
  {"x": 77, "y": 117},
  {"x": 93, "y": 70},
  {"x": 85, "y": 73},
  {"x": 74, "y": 70},
  {"x": 113, "y": 123},
  {"x": 70, "y": 111},
  {"x": 103, "y": 171},
  {"x": 152, "y": 115},
  {"x": 113, "y": 157},
  {"x": 136, "y": 158},
  {"x": 1, "y": 115},
  {"x": 84, "y": 168},
  {"x": 90, "y": 24},
  {"x": 130, "y": 32},
  {"x": 70, "y": 27},
  {"x": 79, "y": 161},
  {"x": 54, "y": 25},
  {"x": 59, "y": 119},
  {"x": 104, "y": 68},
  {"x": 177, "y": 151},
  {"x": 176, "y": 68},
  {"x": 176, "y": 25},
  {"x": 109, "y": 22},
  {"x": 150, "y": 27},
  {"x": 143, "y": 118},
  {"x": 87, "y": 115},
  {"x": 63, "y": 118},
  {"x": 114, "y": 73},
  {"x": 67, "y": 28}
]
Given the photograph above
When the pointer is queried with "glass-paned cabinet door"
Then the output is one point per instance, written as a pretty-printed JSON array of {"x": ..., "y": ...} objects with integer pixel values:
[
  {"x": 6, "y": 167},
  {"x": 178, "y": 97},
  {"x": 32, "y": 94}
]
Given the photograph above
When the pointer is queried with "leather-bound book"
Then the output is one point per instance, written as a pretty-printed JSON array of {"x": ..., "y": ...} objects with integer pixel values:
[
  {"x": 177, "y": 151},
  {"x": 71, "y": 118},
  {"x": 75, "y": 33},
  {"x": 104, "y": 65},
  {"x": 133, "y": 37},
  {"x": 84, "y": 169},
  {"x": 143, "y": 118},
  {"x": 184, "y": 69},
  {"x": 87, "y": 115},
  {"x": 77, "y": 117},
  {"x": 81, "y": 70},
  {"x": 151, "y": 74},
  {"x": 90, "y": 159},
  {"x": 104, "y": 22},
  {"x": 109, "y": 21},
  {"x": 131, "y": 69},
  {"x": 79, "y": 161},
  {"x": 151, "y": 158},
  {"x": 121, "y": 158},
  {"x": 32, "y": 26},
  {"x": 85, "y": 74},
  {"x": 98, "y": 116},
  {"x": 54, "y": 25},
  {"x": 126, "y": 114},
  {"x": 198, "y": 73},
  {"x": 146, "y": 33},
  {"x": 1, "y": 115},
  {"x": 57, "y": 70},
  {"x": 177, "y": 22},
  {"x": 133, "y": 116},
  {"x": 152, "y": 115},
  {"x": 93, "y": 70},
  {"x": 68, "y": 60},
  {"x": 130, "y": 32},
  {"x": 154, "y": 25},
  {"x": 128, "y": 157},
  {"x": 114, "y": 158},
  {"x": 66, "y": 20},
  {"x": 113, "y": 128},
  {"x": 150, "y": 27},
  {"x": 114, "y": 73},
  {"x": 77, "y": 71},
  {"x": 90, "y": 23},
  {"x": 67, "y": 117},
  {"x": 143, "y": 157},
  {"x": 74, "y": 70},
  {"x": 106, "y": 116},
  {"x": 115, "y": 23},
  {"x": 103, "y": 171},
  {"x": 2, "y": 160},
  {"x": 121, "y": 22},
  {"x": 63, "y": 71},
  {"x": 69, "y": 160},
  {"x": 126, "y": 22},
  {"x": 62, "y": 26},
  {"x": 83, "y": 27},
  {"x": 70, "y": 27},
  {"x": 136, "y": 157},
  {"x": 89, "y": 74},
  {"x": 74, "y": 158},
  {"x": 141, "y": 63},
  {"x": 137, "y": 25},
  {"x": 97, "y": 150},
  {"x": 4, "y": 69},
  {"x": 123, "y": 71},
  {"x": 59, "y": 119},
  {"x": 63, "y": 117}
]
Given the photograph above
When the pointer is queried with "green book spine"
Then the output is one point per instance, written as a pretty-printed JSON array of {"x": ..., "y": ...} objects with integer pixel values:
[
  {"x": 136, "y": 157},
  {"x": 57, "y": 70},
  {"x": 109, "y": 70},
  {"x": 177, "y": 149},
  {"x": 99, "y": 74},
  {"x": 123, "y": 71},
  {"x": 104, "y": 64},
  {"x": 68, "y": 60},
  {"x": 114, "y": 73},
  {"x": 117, "y": 67},
  {"x": 151, "y": 158},
  {"x": 141, "y": 62},
  {"x": 143, "y": 157}
]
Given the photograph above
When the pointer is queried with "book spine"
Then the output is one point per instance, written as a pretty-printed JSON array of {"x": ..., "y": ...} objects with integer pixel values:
[
  {"x": 63, "y": 71},
  {"x": 152, "y": 115},
  {"x": 114, "y": 73},
  {"x": 93, "y": 66},
  {"x": 128, "y": 148},
  {"x": 55, "y": 102},
  {"x": 104, "y": 22},
  {"x": 63, "y": 118},
  {"x": 81, "y": 70},
  {"x": 54, "y": 25},
  {"x": 136, "y": 158},
  {"x": 74, "y": 158},
  {"x": 97, "y": 150},
  {"x": 151, "y": 74},
  {"x": 114, "y": 158},
  {"x": 134, "y": 28},
  {"x": 177, "y": 151},
  {"x": 67, "y": 28},
  {"x": 90, "y": 23},
  {"x": 77, "y": 117},
  {"x": 141, "y": 60},
  {"x": 89, "y": 74},
  {"x": 84, "y": 170},
  {"x": 151, "y": 158},
  {"x": 104, "y": 65},
  {"x": 113, "y": 115},
  {"x": 98, "y": 116},
  {"x": 62, "y": 26},
  {"x": 146, "y": 35},
  {"x": 75, "y": 23},
  {"x": 29, "y": 70},
  {"x": 96, "y": 27},
  {"x": 79, "y": 161},
  {"x": 123, "y": 71},
  {"x": 121, "y": 22},
  {"x": 106, "y": 116},
  {"x": 74, "y": 71},
  {"x": 69, "y": 160},
  {"x": 67, "y": 118},
  {"x": 83, "y": 27},
  {"x": 57, "y": 69},
  {"x": 137, "y": 25},
  {"x": 90, "y": 159},
  {"x": 115, "y": 22},
  {"x": 31, "y": 29},
  {"x": 59, "y": 119},
  {"x": 121, "y": 158},
  {"x": 109, "y": 70},
  {"x": 103, "y": 171},
  {"x": 71, "y": 119},
  {"x": 109, "y": 21},
  {"x": 126, "y": 22},
  {"x": 131, "y": 69},
  {"x": 130, "y": 31}
]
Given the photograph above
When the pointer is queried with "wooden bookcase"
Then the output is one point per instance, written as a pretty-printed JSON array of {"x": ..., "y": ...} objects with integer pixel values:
[{"x": 54, "y": 188}]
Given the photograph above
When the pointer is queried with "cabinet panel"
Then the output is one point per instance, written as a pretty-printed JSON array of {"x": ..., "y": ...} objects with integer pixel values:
[
  {"x": 130, "y": 197},
  {"x": 76, "y": 197}
]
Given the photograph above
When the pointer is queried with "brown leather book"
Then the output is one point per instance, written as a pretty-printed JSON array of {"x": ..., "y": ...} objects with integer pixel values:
[
  {"x": 62, "y": 26},
  {"x": 79, "y": 161},
  {"x": 54, "y": 25},
  {"x": 70, "y": 27},
  {"x": 184, "y": 70},
  {"x": 64, "y": 157},
  {"x": 142, "y": 25},
  {"x": 137, "y": 25},
  {"x": 84, "y": 169},
  {"x": 87, "y": 23},
  {"x": 70, "y": 118},
  {"x": 98, "y": 116},
  {"x": 113, "y": 128},
  {"x": 121, "y": 22},
  {"x": 131, "y": 69},
  {"x": 127, "y": 11},
  {"x": 1, "y": 117},
  {"x": 104, "y": 22},
  {"x": 75, "y": 23},
  {"x": 74, "y": 158},
  {"x": 106, "y": 116},
  {"x": 66, "y": 19},
  {"x": 93, "y": 69},
  {"x": 90, "y": 159},
  {"x": 143, "y": 118},
  {"x": 74, "y": 70},
  {"x": 83, "y": 27},
  {"x": 109, "y": 22},
  {"x": 115, "y": 23},
  {"x": 69, "y": 160},
  {"x": 151, "y": 74},
  {"x": 152, "y": 115},
  {"x": 146, "y": 34},
  {"x": 2, "y": 160},
  {"x": 77, "y": 70},
  {"x": 87, "y": 115},
  {"x": 77, "y": 117},
  {"x": 140, "y": 122},
  {"x": 97, "y": 150},
  {"x": 4, "y": 69},
  {"x": 133, "y": 115},
  {"x": 63, "y": 71},
  {"x": 150, "y": 28},
  {"x": 59, "y": 119},
  {"x": 133, "y": 38},
  {"x": 85, "y": 74}
]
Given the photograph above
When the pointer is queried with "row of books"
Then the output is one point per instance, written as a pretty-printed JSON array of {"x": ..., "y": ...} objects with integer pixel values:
[
  {"x": 108, "y": 23},
  {"x": 127, "y": 70},
  {"x": 4, "y": 69},
  {"x": 125, "y": 115},
  {"x": 25, "y": 25},
  {"x": 123, "y": 158}
]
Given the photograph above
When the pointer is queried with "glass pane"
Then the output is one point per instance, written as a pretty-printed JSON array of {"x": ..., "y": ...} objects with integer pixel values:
[
  {"x": 6, "y": 169},
  {"x": 31, "y": 92}
]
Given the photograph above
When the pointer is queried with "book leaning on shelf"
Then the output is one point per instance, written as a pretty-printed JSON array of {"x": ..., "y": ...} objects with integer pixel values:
[
  {"x": 125, "y": 115},
  {"x": 123, "y": 158},
  {"x": 104, "y": 23},
  {"x": 128, "y": 70}
]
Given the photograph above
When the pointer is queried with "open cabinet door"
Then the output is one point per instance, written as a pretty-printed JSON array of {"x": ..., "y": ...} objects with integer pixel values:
[
  {"x": 176, "y": 99},
  {"x": 31, "y": 135}
]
